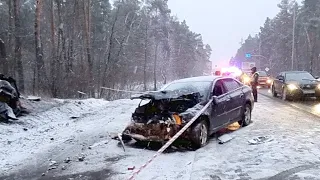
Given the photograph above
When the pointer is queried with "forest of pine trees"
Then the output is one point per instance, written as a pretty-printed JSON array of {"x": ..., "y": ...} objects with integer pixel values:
[
  {"x": 289, "y": 41},
  {"x": 59, "y": 47}
]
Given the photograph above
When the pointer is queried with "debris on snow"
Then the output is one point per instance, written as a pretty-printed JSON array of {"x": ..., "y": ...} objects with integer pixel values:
[
  {"x": 75, "y": 117},
  {"x": 53, "y": 165},
  {"x": 67, "y": 160},
  {"x": 25, "y": 129},
  {"x": 43, "y": 174},
  {"x": 259, "y": 140},
  {"x": 98, "y": 144},
  {"x": 224, "y": 138},
  {"x": 63, "y": 168},
  {"x": 131, "y": 168},
  {"x": 81, "y": 157},
  {"x": 33, "y": 98}
]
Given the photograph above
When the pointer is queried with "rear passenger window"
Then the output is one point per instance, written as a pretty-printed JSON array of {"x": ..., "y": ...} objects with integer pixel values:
[{"x": 231, "y": 84}]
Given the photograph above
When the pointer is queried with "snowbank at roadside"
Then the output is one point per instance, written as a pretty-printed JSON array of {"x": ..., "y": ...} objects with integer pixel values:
[{"x": 51, "y": 123}]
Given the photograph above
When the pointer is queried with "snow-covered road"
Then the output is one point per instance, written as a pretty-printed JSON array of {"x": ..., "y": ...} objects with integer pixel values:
[{"x": 289, "y": 150}]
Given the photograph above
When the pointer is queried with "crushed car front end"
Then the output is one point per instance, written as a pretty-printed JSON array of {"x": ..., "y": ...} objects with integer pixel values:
[{"x": 163, "y": 116}]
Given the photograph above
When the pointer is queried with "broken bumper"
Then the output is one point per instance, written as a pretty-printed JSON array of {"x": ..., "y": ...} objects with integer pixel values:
[{"x": 153, "y": 132}]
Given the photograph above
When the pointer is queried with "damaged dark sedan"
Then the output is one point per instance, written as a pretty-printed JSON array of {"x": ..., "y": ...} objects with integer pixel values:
[{"x": 170, "y": 108}]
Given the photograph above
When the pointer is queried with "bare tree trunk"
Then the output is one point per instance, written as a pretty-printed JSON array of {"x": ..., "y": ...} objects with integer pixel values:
[
  {"x": 155, "y": 67},
  {"x": 104, "y": 78},
  {"x": 10, "y": 39},
  {"x": 59, "y": 53},
  {"x": 53, "y": 54},
  {"x": 17, "y": 49},
  {"x": 309, "y": 50},
  {"x": 87, "y": 19},
  {"x": 39, "y": 54},
  {"x": 3, "y": 57},
  {"x": 145, "y": 58}
]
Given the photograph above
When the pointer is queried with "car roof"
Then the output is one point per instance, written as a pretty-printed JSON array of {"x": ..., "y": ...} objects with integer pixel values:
[
  {"x": 197, "y": 79},
  {"x": 295, "y": 72}
]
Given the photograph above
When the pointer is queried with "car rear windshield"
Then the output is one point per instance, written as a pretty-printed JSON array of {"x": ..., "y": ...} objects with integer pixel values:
[
  {"x": 262, "y": 73},
  {"x": 203, "y": 87},
  {"x": 298, "y": 76}
]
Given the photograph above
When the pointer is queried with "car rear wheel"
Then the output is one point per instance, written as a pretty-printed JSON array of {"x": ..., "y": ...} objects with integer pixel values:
[
  {"x": 246, "y": 117},
  {"x": 200, "y": 134},
  {"x": 274, "y": 93}
]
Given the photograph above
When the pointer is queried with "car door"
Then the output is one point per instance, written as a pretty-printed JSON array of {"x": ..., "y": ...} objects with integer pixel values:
[
  {"x": 237, "y": 98},
  {"x": 218, "y": 115}
]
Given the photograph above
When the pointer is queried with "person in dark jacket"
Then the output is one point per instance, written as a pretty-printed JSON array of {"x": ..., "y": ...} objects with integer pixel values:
[{"x": 254, "y": 83}]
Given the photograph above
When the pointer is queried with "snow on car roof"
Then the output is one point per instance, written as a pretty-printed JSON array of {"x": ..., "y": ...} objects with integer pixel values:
[{"x": 199, "y": 78}]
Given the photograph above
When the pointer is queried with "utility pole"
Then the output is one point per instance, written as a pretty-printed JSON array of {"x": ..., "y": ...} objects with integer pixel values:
[{"x": 293, "y": 35}]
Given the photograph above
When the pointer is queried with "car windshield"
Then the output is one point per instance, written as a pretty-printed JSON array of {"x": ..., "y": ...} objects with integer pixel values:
[
  {"x": 299, "y": 76},
  {"x": 203, "y": 87},
  {"x": 262, "y": 73}
]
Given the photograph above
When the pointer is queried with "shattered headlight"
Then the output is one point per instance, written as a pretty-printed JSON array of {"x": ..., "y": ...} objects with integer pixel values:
[{"x": 177, "y": 119}]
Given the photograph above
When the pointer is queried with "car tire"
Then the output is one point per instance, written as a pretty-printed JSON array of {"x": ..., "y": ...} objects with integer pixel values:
[
  {"x": 284, "y": 94},
  {"x": 285, "y": 97},
  {"x": 246, "y": 116},
  {"x": 200, "y": 134},
  {"x": 274, "y": 93}
]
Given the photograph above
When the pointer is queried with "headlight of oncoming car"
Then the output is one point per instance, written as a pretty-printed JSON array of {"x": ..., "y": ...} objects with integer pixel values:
[
  {"x": 269, "y": 81},
  {"x": 292, "y": 87}
]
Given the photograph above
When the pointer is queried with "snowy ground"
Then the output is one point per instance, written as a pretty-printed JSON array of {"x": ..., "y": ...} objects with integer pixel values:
[{"x": 290, "y": 150}]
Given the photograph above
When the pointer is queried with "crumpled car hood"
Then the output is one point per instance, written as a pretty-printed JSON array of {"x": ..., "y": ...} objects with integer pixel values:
[{"x": 158, "y": 95}]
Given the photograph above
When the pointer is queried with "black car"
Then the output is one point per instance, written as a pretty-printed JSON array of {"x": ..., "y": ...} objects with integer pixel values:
[
  {"x": 170, "y": 108},
  {"x": 292, "y": 85}
]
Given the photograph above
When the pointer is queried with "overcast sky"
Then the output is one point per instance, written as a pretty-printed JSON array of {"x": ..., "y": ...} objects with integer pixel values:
[{"x": 223, "y": 23}]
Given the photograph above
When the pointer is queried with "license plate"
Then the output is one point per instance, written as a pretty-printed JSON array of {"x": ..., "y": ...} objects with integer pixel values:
[{"x": 308, "y": 91}]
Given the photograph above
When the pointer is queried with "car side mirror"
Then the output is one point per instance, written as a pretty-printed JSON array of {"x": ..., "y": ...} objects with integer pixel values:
[
  {"x": 281, "y": 78},
  {"x": 317, "y": 77},
  {"x": 215, "y": 100}
]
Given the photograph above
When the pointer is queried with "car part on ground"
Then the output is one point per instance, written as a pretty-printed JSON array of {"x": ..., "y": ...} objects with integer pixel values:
[{"x": 10, "y": 106}]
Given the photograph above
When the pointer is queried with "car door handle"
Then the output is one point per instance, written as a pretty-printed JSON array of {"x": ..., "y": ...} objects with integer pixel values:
[
  {"x": 241, "y": 95},
  {"x": 228, "y": 99}
]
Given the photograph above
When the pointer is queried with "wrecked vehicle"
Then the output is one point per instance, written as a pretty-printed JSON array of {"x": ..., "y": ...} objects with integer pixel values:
[
  {"x": 170, "y": 108},
  {"x": 10, "y": 106}
]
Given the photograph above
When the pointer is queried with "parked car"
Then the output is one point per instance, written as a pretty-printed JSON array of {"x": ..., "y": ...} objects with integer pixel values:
[
  {"x": 170, "y": 108},
  {"x": 292, "y": 85},
  {"x": 264, "y": 79}
]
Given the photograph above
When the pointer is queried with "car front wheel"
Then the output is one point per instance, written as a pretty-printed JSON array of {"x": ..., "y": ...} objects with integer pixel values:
[
  {"x": 246, "y": 117},
  {"x": 284, "y": 94},
  {"x": 274, "y": 93},
  {"x": 200, "y": 134}
]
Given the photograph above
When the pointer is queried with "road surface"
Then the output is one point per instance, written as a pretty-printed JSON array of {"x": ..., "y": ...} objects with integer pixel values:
[
  {"x": 310, "y": 105},
  {"x": 72, "y": 138}
]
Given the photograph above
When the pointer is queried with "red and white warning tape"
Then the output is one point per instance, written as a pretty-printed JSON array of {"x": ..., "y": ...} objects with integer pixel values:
[{"x": 171, "y": 140}]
